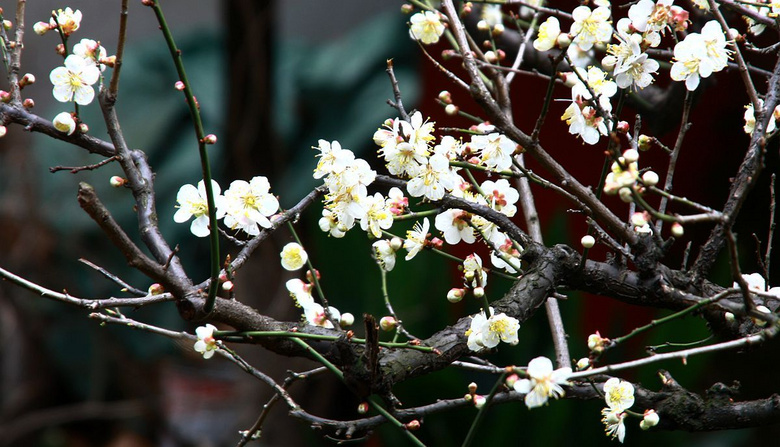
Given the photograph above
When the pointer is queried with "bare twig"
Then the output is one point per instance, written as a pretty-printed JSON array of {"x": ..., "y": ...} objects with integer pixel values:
[
  {"x": 120, "y": 49},
  {"x": 398, "y": 104},
  {"x": 76, "y": 169},
  {"x": 114, "y": 278}
]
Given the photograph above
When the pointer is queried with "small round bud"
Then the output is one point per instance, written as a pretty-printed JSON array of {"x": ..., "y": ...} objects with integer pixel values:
[
  {"x": 223, "y": 277},
  {"x": 156, "y": 289},
  {"x": 455, "y": 295},
  {"x": 147, "y": 2},
  {"x": 467, "y": 8},
  {"x": 588, "y": 241},
  {"x": 3, "y": 130},
  {"x": 451, "y": 109},
  {"x": 210, "y": 139},
  {"x": 41, "y": 28},
  {"x": 491, "y": 57},
  {"x": 5, "y": 96},
  {"x": 436, "y": 242},
  {"x": 179, "y": 85},
  {"x": 363, "y": 408},
  {"x": 311, "y": 278},
  {"x": 448, "y": 54},
  {"x": 623, "y": 127},
  {"x": 651, "y": 419},
  {"x": 498, "y": 29},
  {"x": 472, "y": 387},
  {"x": 64, "y": 122},
  {"x": 733, "y": 34},
  {"x": 388, "y": 323},
  {"x": 412, "y": 425},
  {"x": 501, "y": 54},
  {"x": 7, "y": 25},
  {"x": 763, "y": 309},
  {"x": 677, "y": 229},
  {"x": 445, "y": 97},
  {"x": 563, "y": 41},
  {"x": 511, "y": 379},
  {"x": 117, "y": 181},
  {"x": 645, "y": 142},
  {"x": 60, "y": 49},
  {"x": 583, "y": 363},
  {"x": 569, "y": 79},
  {"x": 608, "y": 63},
  {"x": 83, "y": 128},
  {"x": 631, "y": 155},
  {"x": 347, "y": 319},
  {"x": 407, "y": 8},
  {"x": 109, "y": 61},
  {"x": 625, "y": 195},
  {"x": 27, "y": 79},
  {"x": 28, "y": 103},
  {"x": 479, "y": 401},
  {"x": 650, "y": 178},
  {"x": 396, "y": 243},
  {"x": 483, "y": 26},
  {"x": 479, "y": 292},
  {"x": 597, "y": 343},
  {"x": 639, "y": 219},
  {"x": 729, "y": 317},
  {"x": 227, "y": 286},
  {"x": 467, "y": 397}
]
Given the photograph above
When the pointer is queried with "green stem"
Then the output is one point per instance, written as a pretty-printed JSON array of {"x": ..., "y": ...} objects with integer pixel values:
[
  {"x": 482, "y": 412},
  {"x": 240, "y": 336},
  {"x": 332, "y": 368},
  {"x": 469, "y": 166},
  {"x": 204, "y": 156}
]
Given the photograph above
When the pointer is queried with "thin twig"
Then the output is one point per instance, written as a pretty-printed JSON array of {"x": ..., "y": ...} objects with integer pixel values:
[
  {"x": 120, "y": 49},
  {"x": 76, "y": 169},
  {"x": 770, "y": 237},
  {"x": 684, "y": 126},
  {"x": 399, "y": 105},
  {"x": 114, "y": 278}
]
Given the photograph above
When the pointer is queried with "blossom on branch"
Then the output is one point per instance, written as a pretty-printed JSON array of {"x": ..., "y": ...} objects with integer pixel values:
[
  {"x": 67, "y": 20},
  {"x": 206, "y": 343},
  {"x": 543, "y": 382},
  {"x": 489, "y": 332},
  {"x": 192, "y": 202},
  {"x": 249, "y": 204},
  {"x": 590, "y": 27},
  {"x": 73, "y": 82},
  {"x": 426, "y": 27},
  {"x": 293, "y": 256}
]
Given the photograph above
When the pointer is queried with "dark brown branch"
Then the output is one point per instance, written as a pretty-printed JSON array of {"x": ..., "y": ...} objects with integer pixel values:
[{"x": 76, "y": 169}]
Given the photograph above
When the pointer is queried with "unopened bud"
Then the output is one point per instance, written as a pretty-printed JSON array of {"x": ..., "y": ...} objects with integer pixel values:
[
  {"x": 498, "y": 29},
  {"x": 583, "y": 363},
  {"x": 396, "y": 243},
  {"x": 27, "y": 79},
  {"x": 156, "y": 289},
  {"x": 28, "y": 103},
  {"x": 455, "y": 295},
  {"x": 3, "y": 130},
  {"x": 645, "y": 142},
  {"x": 729, "y": 317},
  {"x": 511, "y": 379},
  {"x": 588, "y": 241},
  {"x": 310, "y": 278},
  {"x": 179, "y": 85},
  {"x": 227, "y": 286},
  {"x": 210, "y": 139},
  {"x": 479, "y": 292},
  {"x": 651, "y": 419},
  {"x": 147, "y": 2},
  {"x": 5, "y": 96},
  {"x": 677, "y": 229},
  {"x": 388, "y": 323},
  {"x": 650, "y": 178},
  {"x": 83, "y": 128},
  {"x": 117, "y": 181},
  {"x": 448, "y": 54},
  {"x": 483, "y": 26},
  {"x": 763, "y": 309},
  {"x": 7, "y": 25},
  {"x": 625, "y": 195},
  {"x": 60, "y": 49},
  {"x": 64, "y": 122},
  {"x": 479, "y": 401},
  {"x": 467, "y": 8},
  {"x": 445, "y": 97},
  {"x": 412, "y": 425},
  {"x": 491, "y": 57},
  {"x": 563, "y": 41},
  {"x": 631, "y": 155},
  {"x": 109, "y": 61},
  {"x": 363, "y": 408},
  {"x": 623, "y": 127},
  {"x": 451, "y": 109},
  {"x": 472, "y": 387},
  {"x": 347, "y": 319},
  {"x": 639, "y": 219},
  {"x": 436, "y": 242},
  {"x": 41, "y": 28},
  {"x": 407, "y": 8},
  {"x": 569, "y": 79}
]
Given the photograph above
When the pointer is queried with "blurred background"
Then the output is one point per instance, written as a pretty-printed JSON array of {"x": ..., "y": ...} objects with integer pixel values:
[{"x": 272, "y": 78}]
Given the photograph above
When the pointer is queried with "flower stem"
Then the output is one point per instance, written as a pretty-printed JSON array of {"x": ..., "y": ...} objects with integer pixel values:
[
  {"x": 482, "y": 411},
  {"x": 204, "y": 157}
]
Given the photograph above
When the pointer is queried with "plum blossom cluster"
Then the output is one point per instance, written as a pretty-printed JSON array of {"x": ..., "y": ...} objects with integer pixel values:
[
  {"x": 486, "y": 332},
  {"x": 245, "y": 206},
  {"x": 313, "y": 312},
  {"x": 619, "y": 396}
]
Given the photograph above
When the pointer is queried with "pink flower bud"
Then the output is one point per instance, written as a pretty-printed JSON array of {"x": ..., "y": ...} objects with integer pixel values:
[
  {"x": 41, "y": 28},
  {"x": 407, "y": 8},
  {"x": 677, "y": 230},
  {"x": 412, "y": 425},
  {"x": 83, "y": 128},
  {"x": 156, "y": 289},
  {"x": 28, "y": 103},
  {"x": 179, "y": 85},
  {"x": 455, "y": 295},
  {"x": 227, "y": 286},
  {"x": 5, "y": 96},
  {"x": 388, "y": 323},
  {"x": 623, "y": 127},
  {"x": 363, "y": 408},
  {"x": 479, "y": 401},
  {"x": 210, "y": 139},
  {"x": 60, "y": 49},
  {"x": 27, "y": 79},
  {"x": 445, "y": 97},
  {"x": 117, "y": 181}
]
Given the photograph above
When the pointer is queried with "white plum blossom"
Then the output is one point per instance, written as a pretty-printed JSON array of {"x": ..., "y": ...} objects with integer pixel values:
[
  {"x": 583, "y": 120},
  {"x": 64, "y": 122},
  {"x": 613, "y": 423},
  {"x": 416, "y": 238},
  {"x": 73, "y": 82},
  {"x": 396, "y": 201},
  {"x": 543, "y": 382},
  {"x": 632, "y": 67},
  {"x": 313, "y": 312},
  {"x": 699, "y": 55},
  {"x": 347, "y": 192},
  {"x": 433, "y": 179},
  {"x": 333, "y": 159},
  {"x": 206, "y": 343},
  {"x": 510, "y": 252},
  {"x": 384, "y": 254},
  {"x": 597, "y": 80},
  {"x": 501, "y": 196},
  {"x": 715, "y": 43},
  {"x": 495, "y": 150},
  {"x": 192, "y": 202},
  {"x": 249, "y": 204},
  {"x": 68, "y": 20},
  {"x": 473, "y": 273},
  {"x": 405, "y": 144},
  {"x": 650, "y": 18},
  {"x": 590, "y": 27},
  {"x": 491, "y": 14},
  {"x": 750, "y": 119},
  {"x": 757, "y": 282},
  {"x": 378, "y": 215},
  {"x": 489, "y": 332},
  {"x": 91, "y": 51},
  {"x": 330, "y": 224},
  {"x": 548, "y": 34},
  {"x": 426, "y": 27},
  {"x": 454, "y": 226},
  {"x": 294, "y": 257},
  {"x": 619, "y": 396}
]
